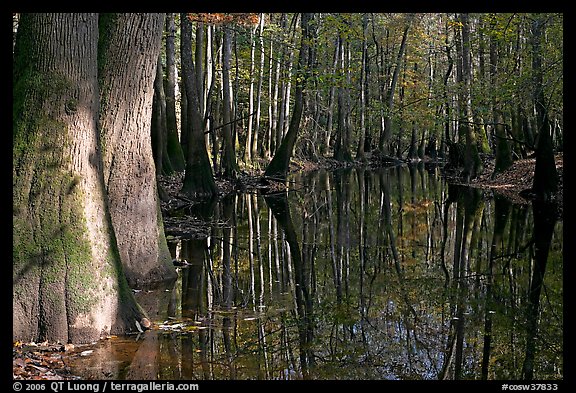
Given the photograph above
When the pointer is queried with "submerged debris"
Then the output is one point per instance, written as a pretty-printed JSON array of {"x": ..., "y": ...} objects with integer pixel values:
[{"x": 44, "y": 361}]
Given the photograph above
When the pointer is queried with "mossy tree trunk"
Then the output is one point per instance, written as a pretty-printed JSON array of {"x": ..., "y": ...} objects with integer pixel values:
[
  {"x": 198, "y": 179},
  {"x": 129, "y": 47},
  {"x": 68, "y": 280},
  {"x": 280, "y": 164}
]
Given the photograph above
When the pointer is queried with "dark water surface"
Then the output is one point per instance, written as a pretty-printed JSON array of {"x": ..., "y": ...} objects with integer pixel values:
[{"x": 355, "y": 274}]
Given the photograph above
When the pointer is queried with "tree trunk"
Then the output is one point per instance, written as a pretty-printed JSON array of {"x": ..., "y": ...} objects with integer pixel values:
[
  {"x": 342, "y": 146},
  {"x": 173, "y": 145},
  {"x": 278, "y": 167},
  {"x": 129, "y": 49},
  {"x": 387, "y": 132},
  {"x": 228, "y": 165},
  {"x": 545, "y": 174},
  {"x": 360, "y": 153},
  {"x": 68, "y": 280},
  {"x": 330, "y": 121},
  {"x": 472, "y": 162},
  {"x": 249, "y": 138},
  {"x": 254, "y": 146},
  {"x": 198, "y": 178},
  {"x": 503, "y": 159},
  {"x": 159, "y": 131}
]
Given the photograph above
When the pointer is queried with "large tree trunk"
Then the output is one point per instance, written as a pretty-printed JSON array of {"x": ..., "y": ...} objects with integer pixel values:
[
  {"x": 199, "y": 179},
  {"x": 128, "y": 51},
  {"x": 278, "y": 167},
  {"x": 68, "y": 281}
]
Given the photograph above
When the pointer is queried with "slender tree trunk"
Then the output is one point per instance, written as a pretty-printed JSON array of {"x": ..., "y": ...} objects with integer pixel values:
[
  {"x": 503, "y": 159},
  {"x": 472, "y": 162},
  {"x": 198, "y": 179},
  {"x": 127, "y": 65},
  {"x": 331, "y": 95},
  {"x": 158, "y": 127},
  {"x": 249, "y": 137},
  {"x": 173, "y": 145},
  {"x": 545, "y": 174},
  {"x": 342, "y": 146},
  {"x": 278, "y": 167},
  {"x": 199, "y": 67},
  {"x": 280, "y": 100},
  {"x": 68, "y": 279},
  {"x": 273, "y": 94},
  {"x": 360, "y": 154},
  {"x": 387, "y": 134},
  {"x": 228, "y": 165},
  {"x": 254, "y": 146}
]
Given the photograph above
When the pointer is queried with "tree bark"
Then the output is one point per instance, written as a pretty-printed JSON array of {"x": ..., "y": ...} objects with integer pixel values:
[
  {"x": 249, "y": 137},
  {"x": 545, "y": 174},
  {"x": 503, "y": 158},
  {"x": 472, "y": 162},
  {"x": 229, "y": 166},
  {"x": 278, "y": 167},
  {"x": 342, "y": 145},
  {"x": 198, "y": 178},
  {"x": 387, "y": 132},
  {"x": 68, "y": 280},
  {"x": 254, "y": 146},
  {"x": 364, "y": 88},
  {"x": 159, "y": 130},
  {"x": 128, "y": 51},
  {"x": 173, "y": 145}
]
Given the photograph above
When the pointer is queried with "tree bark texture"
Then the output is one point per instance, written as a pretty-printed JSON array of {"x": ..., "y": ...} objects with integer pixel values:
[
  {"x": 68, "y": 280},
  {"x": 128, "y": 51}
]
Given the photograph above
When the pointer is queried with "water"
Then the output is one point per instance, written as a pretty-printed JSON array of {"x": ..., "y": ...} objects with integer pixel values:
[{"x": 355, "y": 274}]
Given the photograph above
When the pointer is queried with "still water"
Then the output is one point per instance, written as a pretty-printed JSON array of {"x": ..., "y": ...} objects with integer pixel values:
[{"x": 355, "y": 274}]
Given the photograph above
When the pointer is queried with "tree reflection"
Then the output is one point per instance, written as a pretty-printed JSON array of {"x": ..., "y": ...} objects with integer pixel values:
[
  {"x": 501, "y": 213},
  {"x": 468, "y": 211},
  {"x": 278, "y": 204},
  {"x": 544, "y": 223},
  {"x": 359, "y": 274}
]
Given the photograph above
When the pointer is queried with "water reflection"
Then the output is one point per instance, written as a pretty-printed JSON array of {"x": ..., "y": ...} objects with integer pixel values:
[{"x": 357, "y": 274}]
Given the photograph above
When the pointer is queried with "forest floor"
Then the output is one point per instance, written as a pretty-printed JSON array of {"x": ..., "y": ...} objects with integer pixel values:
[{"x": 47, "y": 361}]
